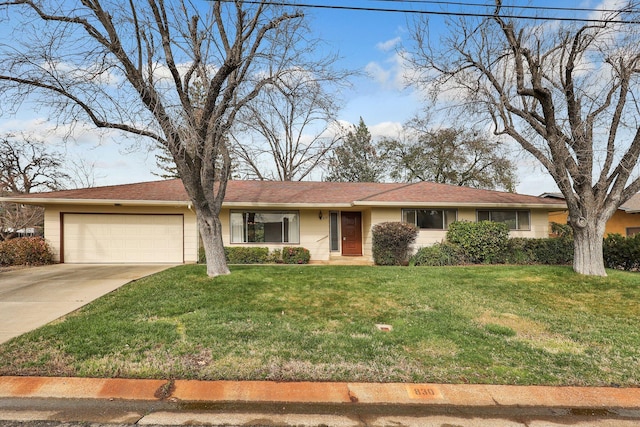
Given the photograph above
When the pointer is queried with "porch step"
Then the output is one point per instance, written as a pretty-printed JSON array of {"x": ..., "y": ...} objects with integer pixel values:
[{"x": 349, "y": 260}]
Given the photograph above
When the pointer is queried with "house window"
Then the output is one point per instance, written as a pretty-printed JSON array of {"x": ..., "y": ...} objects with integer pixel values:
[
  {"x": 333, "y": 231},
  {"x": 515, "y": 220},
  {"x": 430, "y": 219},
  {"x": 265, "y": 227},
  {"x": 632, "y": 231}
]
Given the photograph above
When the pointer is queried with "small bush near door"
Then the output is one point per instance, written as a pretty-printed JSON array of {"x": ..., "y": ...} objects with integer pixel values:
[
  {"x": 392, "y": 242},
  {"x": 25, "y": 251}
]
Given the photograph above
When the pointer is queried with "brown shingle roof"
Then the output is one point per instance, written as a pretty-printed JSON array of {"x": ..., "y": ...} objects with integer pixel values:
[
  {"x": 300, "y": 193},
  {"x": 632, "y": 205},
  {"x": 169, "y": 190}
]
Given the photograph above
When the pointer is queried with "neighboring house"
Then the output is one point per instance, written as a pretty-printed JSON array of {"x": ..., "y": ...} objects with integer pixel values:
[
  {"x": 625, "y": 221},
  {"x": 155, "y": 222}
]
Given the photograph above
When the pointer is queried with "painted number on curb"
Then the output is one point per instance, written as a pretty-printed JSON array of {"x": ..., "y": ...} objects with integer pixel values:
[{"x": 423, "y": 392}]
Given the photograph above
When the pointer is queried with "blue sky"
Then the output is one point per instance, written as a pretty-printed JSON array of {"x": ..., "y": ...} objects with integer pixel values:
[{"x": 368, "y": 41}]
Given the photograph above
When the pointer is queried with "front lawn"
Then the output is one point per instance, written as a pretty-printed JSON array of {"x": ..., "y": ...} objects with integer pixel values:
[{"x": 489, "y": 324}]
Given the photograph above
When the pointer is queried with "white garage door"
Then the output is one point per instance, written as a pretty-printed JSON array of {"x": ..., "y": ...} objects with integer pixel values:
[{"x": 103, "y": 238}]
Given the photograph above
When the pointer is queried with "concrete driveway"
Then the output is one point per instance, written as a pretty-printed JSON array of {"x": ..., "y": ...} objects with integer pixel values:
[{"x": 32, "y": 297}]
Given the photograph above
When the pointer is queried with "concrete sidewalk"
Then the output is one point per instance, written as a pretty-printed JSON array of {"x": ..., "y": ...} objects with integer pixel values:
[{"x": 183, "y": 402}]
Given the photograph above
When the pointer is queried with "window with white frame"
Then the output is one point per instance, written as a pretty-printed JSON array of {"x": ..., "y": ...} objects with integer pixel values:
[
  {"x": 515, "y": 220},
  {"x": 430, "y": 219},
  {"x": 265, "y": 227}
]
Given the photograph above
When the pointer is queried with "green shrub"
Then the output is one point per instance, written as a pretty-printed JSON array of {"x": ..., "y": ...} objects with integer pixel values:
[
  {"x": 549, "y": 251},
  {"x": 25, "y": 251},
  {"x": 246, "y": 255},
  {"x": 295, "y": 255},
  {"x": 392, "y": 241},
  {"x": 275, "y": 256},
  {"x": 483, "y": 242},
  {"x": 562, "y": 230},
  {"x": 261, "y": 255},
  {"x": 519, "y": 251},
  {"x": 439, "y": 254},
  {"x": 622, "y": 253}
]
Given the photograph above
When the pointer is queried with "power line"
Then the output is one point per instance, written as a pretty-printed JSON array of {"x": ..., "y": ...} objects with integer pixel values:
[
  {"x": 447, "y": 13},
  {"x": 486, "y": 5}
]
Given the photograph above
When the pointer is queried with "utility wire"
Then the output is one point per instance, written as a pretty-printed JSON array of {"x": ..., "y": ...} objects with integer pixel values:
[
  {"x": 523, "y": 7},
  {"x": 442, "y": 13}
]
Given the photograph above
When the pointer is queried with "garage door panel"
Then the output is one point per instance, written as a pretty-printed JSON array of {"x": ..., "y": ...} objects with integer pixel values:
[{"x": 103, "y": 238}]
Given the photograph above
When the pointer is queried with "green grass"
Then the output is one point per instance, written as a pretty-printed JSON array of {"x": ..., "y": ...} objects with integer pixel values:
[{"x": 489, "y": 324}]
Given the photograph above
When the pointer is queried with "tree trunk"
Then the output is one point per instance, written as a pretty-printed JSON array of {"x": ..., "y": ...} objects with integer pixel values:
[
  {"x": 211, "y": 234},
  {"x": 587, "y": 244}
]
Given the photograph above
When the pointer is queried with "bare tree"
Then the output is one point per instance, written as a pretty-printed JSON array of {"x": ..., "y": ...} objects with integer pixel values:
[
  {"x": 130, "y": 66},
  {"x": 567, "y": 94},
  {"x": 81, "y": 172},
  {"x": 449, "y": 156},
  {"x": 26, "y": 166},
  {"x": 289, "y": 129}
]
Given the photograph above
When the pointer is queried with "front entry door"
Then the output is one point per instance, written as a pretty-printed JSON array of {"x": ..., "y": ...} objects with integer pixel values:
[{"x": 351, "y": 233}]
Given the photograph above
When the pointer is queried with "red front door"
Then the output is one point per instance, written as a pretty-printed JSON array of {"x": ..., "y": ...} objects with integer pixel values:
[{"x": 351, "y": 233}]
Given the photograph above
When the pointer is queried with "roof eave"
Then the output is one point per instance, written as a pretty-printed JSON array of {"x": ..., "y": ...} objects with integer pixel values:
[
  {"x": 238, "y": 205},
  {"x": 461, "y": 204},
  {"x": 629, "y": 210},
  {"x": 265, "y": 205},
  {"x": 94, "y": 202}
]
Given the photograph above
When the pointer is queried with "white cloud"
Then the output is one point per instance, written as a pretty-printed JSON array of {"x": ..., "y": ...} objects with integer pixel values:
[
  {"x": 393, "y": 74},
  {"x": 385, "y": 130},
  {"x": 378, "y": 73},
  {"x": 607, "y": 5},
  {"x": 388, "y": 45}
]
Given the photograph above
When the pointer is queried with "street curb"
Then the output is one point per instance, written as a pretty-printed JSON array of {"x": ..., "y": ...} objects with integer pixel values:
[{"x": 319, "y": 393}]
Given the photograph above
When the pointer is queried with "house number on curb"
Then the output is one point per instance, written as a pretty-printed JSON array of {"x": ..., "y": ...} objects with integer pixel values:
[{"x": 423, "y": 392}]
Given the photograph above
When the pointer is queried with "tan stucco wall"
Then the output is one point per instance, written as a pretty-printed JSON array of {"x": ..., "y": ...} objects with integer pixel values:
[
  {"x": 618, "y": 223},
  {"x": 52, "y": 224}
]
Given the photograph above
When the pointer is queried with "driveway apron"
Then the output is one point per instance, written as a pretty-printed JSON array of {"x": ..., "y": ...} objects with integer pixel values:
[{"x": 32, "y": 297}]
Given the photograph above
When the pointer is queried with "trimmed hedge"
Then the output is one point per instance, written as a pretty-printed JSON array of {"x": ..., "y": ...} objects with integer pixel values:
[
  {"x": 483, "y": 242},
  {"x": 246, "y": 255},
  {"x": 25, "y": 251},
  {"x": 392, "y": 241},
  {"x": 295, "y": 255},
  {"x": 622, "y": 253},
  {"x": 440, "y": 254},
  {"x": 261, "y": 255},
  {"x": 551, "y": 251}
]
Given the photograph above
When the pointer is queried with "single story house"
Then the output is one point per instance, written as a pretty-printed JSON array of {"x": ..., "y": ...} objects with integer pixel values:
[
  {"x": 153, "y": 222},
  {"x": 625, "y": 221}
]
